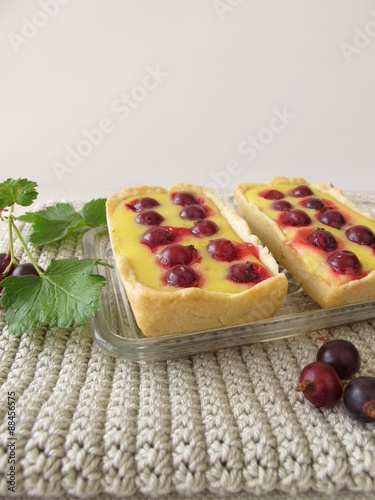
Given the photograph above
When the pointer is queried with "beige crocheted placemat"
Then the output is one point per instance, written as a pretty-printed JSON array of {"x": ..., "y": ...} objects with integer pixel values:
[{"x": 225, "y": 423}]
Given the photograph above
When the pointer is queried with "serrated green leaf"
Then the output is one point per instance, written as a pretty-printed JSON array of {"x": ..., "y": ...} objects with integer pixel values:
[
  {"x": 67, "y": 293},
  {"x": 94, "y": 213},
  {"x": 17, "y": 191},
  {"x": 53, "y": 223},
  {"x": 27, "y": 217}
]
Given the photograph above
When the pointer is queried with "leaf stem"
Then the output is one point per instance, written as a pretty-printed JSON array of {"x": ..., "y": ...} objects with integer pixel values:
[
  {"x": 23, "y": 243},
  {"x": 13, "y": 259},
  {"x": 11, "y": 250}
]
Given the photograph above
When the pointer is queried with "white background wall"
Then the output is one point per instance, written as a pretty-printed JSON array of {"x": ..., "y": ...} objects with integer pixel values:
[{"x": 226, "y": 70}]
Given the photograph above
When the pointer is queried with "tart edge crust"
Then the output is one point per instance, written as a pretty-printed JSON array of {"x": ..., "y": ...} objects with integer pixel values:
[
  {"x": 191, "y": 309},
  {"x": 271, "y": 235}
]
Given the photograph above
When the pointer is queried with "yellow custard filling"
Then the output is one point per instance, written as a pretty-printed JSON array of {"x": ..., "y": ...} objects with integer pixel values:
[
  {"x": 315, "y": 259},
  {"x": 144, "y": 260}
]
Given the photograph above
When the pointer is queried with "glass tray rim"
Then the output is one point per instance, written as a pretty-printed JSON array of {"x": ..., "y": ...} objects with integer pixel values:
[{"x": 155, "y": 349}]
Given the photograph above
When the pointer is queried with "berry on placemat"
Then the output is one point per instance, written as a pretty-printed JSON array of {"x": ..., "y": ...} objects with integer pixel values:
[
  {"x": 320, "y": 384},
  {"x": 359, "y": 398},
  {"x": 5, "y": 259},
  {"x": 342, "y": 355},
  {"x": 26, "y": 269}
]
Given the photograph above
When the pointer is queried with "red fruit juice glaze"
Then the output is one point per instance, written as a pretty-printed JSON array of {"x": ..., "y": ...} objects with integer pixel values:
[
  {"x": 263, "y": 273},
  {"x": 130, "y": 205},
  {"x": 245, "y": 249},
  {"x": 300, "y": 239}
]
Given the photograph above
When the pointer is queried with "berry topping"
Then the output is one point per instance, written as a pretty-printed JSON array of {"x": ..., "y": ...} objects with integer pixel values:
[
  {"x": 149, "y": 218},
  {"x": 272, "y": 194},
  {"x": 332, "y": 218},
  {"x": 223, "y": 249},
  {"x": 301, "y": 191},
  {"x": 181, "y": 276},
  {"x": 193, "y": 212},
  {"x": 360, "y": 234},
  {"x": 359, "y": 398},
  {"x": 184, "y": 198},
  {"x": 315, "y": 203},
  {"x": 205, "y": 228},
  {"x": 295, "y": 218},
  {"x": 342, "y": 355},
  {"x": 345, "y": 262},
  {"x": 282, "y": 205},
  {"x": 157, "y": 236},
  {"x": 243, "y": 273},
  {"x": 322, "y": 239},
  {"x": 143, "y": 203},
  {"x": 177, "y": 254}
]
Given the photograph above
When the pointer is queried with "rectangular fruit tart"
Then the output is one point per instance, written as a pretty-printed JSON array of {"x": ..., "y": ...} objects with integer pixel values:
[
  {"x": 188, "y": 262},
  {"x": 316, "y": 232}
]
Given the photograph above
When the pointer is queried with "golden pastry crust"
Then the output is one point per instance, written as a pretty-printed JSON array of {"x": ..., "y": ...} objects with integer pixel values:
[
  {"x": 191, "y": 309},
  {"x": 269, "y": 232}
]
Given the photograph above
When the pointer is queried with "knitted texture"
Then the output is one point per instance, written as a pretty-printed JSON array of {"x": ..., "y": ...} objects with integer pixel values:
[{"x": 225, "y": 423}]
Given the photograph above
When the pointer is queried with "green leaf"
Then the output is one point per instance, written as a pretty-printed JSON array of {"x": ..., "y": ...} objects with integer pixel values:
[
  {"x": 53, "y": 223},
  {"x": 94, "y": 213},
  {"x": 65, "y": 294},
  {"x": 21, "y": 192},
  {"x": 27, "y": 217}
]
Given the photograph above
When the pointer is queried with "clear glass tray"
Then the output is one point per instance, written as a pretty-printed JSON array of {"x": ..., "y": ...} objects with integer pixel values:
[{"x": 115, "y": 329}]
